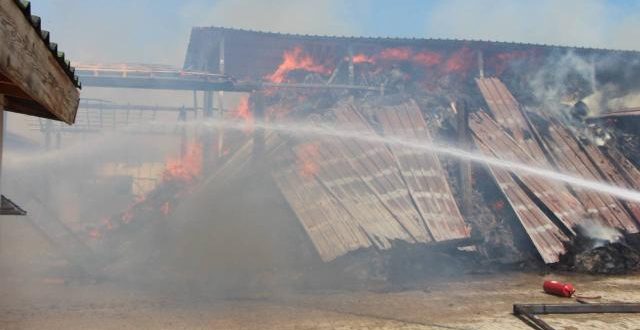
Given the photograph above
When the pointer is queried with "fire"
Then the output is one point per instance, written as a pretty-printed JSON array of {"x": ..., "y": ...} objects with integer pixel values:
[
  {"x": 424, "y": 57},
  {"x": 427, "y": 58},
  {"x": 243, "y": 112},
  {"x": 305, "y": 159},
  {"x": 187, "y": 167},
  {"x": 460, "y": 61},
  {"x": 362, "y": 58},
  {"x": 296, "y": 59},
  {"x": 396, "y": 54}
]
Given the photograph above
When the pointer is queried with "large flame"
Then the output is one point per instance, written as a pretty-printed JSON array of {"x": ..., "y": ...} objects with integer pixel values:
[
  {"x": 460, "y": 61},
  {"x": 423, "y": 58},
  {"x": 187, "y": 167},
  {"x": 243, "y": 112},
  {"x": 306, "y": 155},
  {"x": 296, "y": 59}
]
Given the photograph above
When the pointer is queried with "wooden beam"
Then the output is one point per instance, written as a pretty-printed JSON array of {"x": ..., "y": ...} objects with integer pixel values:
[
  {"x": 4, "y": 78},
  {"x": 27, "y": 61},
  {"x": 8, "y": 88},
  {"x": 26, "y": 106}
]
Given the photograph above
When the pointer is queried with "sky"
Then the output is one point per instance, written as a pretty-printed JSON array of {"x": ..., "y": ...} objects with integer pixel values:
[{"x": 157, "y": 31}]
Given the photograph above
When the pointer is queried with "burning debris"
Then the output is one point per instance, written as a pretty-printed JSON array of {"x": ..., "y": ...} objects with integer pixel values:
[
  {"x": 601, "y": 250},
  {"x": 360, "y": 194}
]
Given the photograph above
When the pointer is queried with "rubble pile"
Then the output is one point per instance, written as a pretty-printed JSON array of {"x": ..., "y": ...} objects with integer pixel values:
[{"x": 600, "y": 256}]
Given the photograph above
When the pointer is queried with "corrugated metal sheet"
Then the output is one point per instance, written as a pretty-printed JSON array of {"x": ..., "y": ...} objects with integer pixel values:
[
  {"x": 422, "y": 172},
  {"x": 521, "y": 146},
  {"x": 570, "y": 156},
  {"x": 376, "y": 166},
  {"x": 331, "y": 228},
  {"x": 493, "y": 141},
  {"x": 372, "y": 196},
  {"x": 254, "y": 54}
]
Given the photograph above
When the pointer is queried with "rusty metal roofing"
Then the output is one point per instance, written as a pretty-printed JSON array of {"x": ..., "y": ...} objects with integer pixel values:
[
  {"x": 36, "y": 22},
  {"x": 357, "y": 194},
  {"x": 254, "y": 54},
  {"x": 512, "y": 139},
  {"x": 425, "y": 178},
  {"x": 571, "y": 156},
  {"x": 493, "y": 141}
]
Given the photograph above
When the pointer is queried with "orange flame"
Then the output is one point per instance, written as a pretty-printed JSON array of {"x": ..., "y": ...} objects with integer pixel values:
[
  {"x": 396, "y": 54},
  {"x": 424, "y": 57},
  {"x": 295, "y": 59},
  {"x": 362, "y": 58},
  {"x": 243, "y": 112},
  {"x": 460, "y": 61},
  {"x": 186, "y": 168},
  {"x": 305, "y": 159}
]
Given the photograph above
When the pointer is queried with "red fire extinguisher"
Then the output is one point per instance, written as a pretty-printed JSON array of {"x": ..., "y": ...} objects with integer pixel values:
[{"x": 558, "y": 288}]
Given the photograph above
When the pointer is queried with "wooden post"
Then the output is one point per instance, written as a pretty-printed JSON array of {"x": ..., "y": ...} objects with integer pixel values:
[{"x": 462, "y": 123}]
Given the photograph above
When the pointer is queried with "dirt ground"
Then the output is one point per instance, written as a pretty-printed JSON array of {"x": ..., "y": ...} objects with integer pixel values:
[{"x": 468, "y": 302}]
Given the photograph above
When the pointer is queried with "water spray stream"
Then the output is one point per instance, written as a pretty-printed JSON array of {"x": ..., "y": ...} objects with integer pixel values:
[
  {"x": 367, "y": 136},
  {"x": 302, "y": 129}
]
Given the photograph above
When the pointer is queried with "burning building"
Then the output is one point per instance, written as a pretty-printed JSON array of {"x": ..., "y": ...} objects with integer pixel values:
[
  {"x": 350, "y": 195},
  {"x": 371, "y": 144}
]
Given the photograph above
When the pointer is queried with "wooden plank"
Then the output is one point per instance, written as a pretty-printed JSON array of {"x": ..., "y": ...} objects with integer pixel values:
[{"x": 31, "y": 66}]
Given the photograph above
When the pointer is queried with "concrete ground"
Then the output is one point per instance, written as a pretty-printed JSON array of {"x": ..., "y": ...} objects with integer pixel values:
[{"x": 468, "y": 302}]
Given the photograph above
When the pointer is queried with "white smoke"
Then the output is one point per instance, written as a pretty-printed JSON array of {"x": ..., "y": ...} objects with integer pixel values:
[{"x": 599, "y": 233}]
